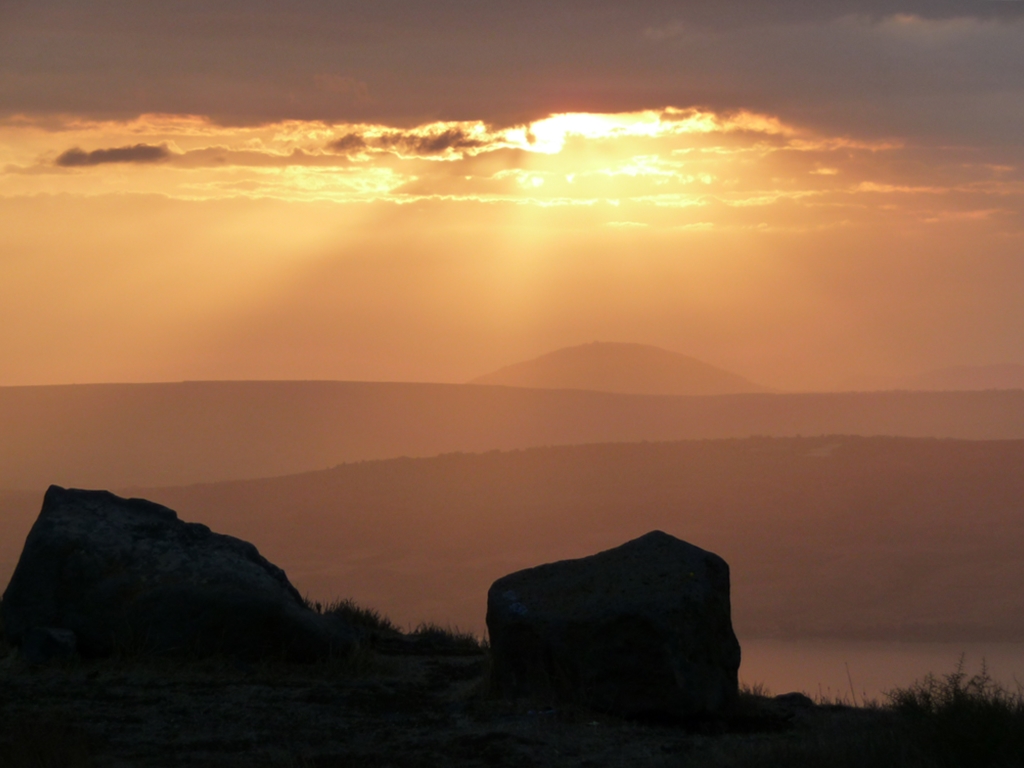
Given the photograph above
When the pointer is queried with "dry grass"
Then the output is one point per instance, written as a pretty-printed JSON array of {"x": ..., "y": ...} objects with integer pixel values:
[
  {"x": 962, "y": 721},
  {"x": 367, "y": 619},
  {"x": 448, "y": 637}
]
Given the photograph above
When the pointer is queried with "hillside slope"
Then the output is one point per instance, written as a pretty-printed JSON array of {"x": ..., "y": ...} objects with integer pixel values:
[
  {"x": 833, "y": 536},
  {"x": 117, "y": 435},
  {"x": 637, "y": 369}
]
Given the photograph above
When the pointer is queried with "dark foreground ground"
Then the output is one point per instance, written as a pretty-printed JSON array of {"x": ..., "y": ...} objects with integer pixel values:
[{"x": 395, "y": 708}]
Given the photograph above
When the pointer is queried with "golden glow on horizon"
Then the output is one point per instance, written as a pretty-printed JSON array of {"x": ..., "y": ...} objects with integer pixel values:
[{"x": 650, "y": 161}]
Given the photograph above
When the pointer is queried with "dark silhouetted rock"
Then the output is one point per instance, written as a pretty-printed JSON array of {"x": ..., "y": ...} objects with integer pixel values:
[
  {"x": 795, "y": 700},
  {"x": 642, "y": 630},
  {"x": 42, "y": 645},
  {"x": 128, "y": 575}
]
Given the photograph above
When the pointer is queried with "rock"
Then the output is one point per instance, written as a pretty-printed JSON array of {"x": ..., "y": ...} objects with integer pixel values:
[
  {"x": 127, "y": 575},
  {"x": 642, "y": 630},
  {"x": 795, "y": 700},
  {"x": 41, "y": 645}
]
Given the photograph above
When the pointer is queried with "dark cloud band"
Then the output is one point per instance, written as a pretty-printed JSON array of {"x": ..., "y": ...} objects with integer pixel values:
[
  {"x": 350, "y": 142},
  {"x": 138, "y": 153},
  {"x": 941, "y": 70},
  {"x": 410, "y": 142}
]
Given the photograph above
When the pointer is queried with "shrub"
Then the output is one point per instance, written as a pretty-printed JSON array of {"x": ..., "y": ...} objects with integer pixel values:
[{"x": 964, "y": 722}]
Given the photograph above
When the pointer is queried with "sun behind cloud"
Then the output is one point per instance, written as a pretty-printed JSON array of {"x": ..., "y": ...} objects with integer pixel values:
[{"x": 710, "y": 168}]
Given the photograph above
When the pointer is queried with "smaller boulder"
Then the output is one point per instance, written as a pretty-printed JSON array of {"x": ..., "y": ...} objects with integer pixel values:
[
  {"x": 642, "y": 630},
  {"x": 41, "y": 645},
  {"x": 795, "y": 700}
]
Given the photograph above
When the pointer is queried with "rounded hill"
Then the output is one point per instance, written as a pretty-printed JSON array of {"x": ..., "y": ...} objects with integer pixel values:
[{"x": 638, "y": 369}]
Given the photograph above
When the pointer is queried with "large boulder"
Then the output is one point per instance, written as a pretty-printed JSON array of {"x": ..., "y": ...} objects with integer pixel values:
[
  {"x": 642, "y": 630},
  {"x": 126, "y": 575}
]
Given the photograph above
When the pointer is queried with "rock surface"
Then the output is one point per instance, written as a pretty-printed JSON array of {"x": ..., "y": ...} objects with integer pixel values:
[
  {"x": 642, "y": 630},
  {"x": 41, "y": 645},
  {"x": 126, "y": 575},
  {"x": 795, "y": 700}
]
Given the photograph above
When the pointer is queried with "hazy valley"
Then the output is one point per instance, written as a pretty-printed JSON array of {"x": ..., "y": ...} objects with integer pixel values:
[{"x": 849, "y": 537}]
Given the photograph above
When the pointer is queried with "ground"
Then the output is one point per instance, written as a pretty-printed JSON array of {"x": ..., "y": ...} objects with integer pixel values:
[{"x": 386, "y": 708}]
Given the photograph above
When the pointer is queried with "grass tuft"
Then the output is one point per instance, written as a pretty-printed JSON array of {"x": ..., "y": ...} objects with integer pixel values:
[
  {"x": 755, "y": 690},
  {"x": 964, "y": 721},
  {"x": 448, "y": 637},
  {"x": 426, "y": 638},
  {"x": 368, "y": 619}
]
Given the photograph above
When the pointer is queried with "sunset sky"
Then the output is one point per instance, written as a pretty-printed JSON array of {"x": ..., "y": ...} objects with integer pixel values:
[{"x": 801, "y": 192}]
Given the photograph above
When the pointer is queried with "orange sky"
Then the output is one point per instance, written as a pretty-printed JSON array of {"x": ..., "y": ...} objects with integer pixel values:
[{"x": 796, "y": 247}]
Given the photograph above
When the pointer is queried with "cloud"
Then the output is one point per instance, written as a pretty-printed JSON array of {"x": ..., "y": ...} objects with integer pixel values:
[
  {"x": 227, "y": 157},
  {"x": 427, "y": 141},
  {"x": 136, "y": 153},
  {"x": 745, "y": 13},
  {"x": 944, "y": 69},
  {"x": 670, "y": 166},
  {"x": 431, "y": 144},
  {"x": 350, "y": 142},
  {"x": 458, "y": 140},
  {"x": 339, "y": 85}
]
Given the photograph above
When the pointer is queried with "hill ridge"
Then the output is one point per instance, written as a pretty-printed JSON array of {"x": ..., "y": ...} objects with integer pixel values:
[
  {"x": 118, "y": 435},
  {"x": 621, "y": 368}
]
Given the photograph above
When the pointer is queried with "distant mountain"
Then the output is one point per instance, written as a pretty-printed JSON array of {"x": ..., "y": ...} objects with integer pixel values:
[
  {"x": 955, "y": 378},
  {"x": 635, "y": 369}
]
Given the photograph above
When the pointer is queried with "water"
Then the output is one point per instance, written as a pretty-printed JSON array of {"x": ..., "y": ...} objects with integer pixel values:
[{"x": 823, "y": 668}]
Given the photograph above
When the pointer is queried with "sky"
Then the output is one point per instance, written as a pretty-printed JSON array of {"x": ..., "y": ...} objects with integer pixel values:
[{"x": 801, "y": 192}]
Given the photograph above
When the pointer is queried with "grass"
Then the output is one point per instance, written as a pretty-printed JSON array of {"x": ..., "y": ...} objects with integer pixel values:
[
  {"x": 964, "y": 721},
  {"x": 367, "y": 619},
  {"x": 427, "y": 637},
  {"x": 953, "y": 721},
  {"x": 448, "y": 636}
]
